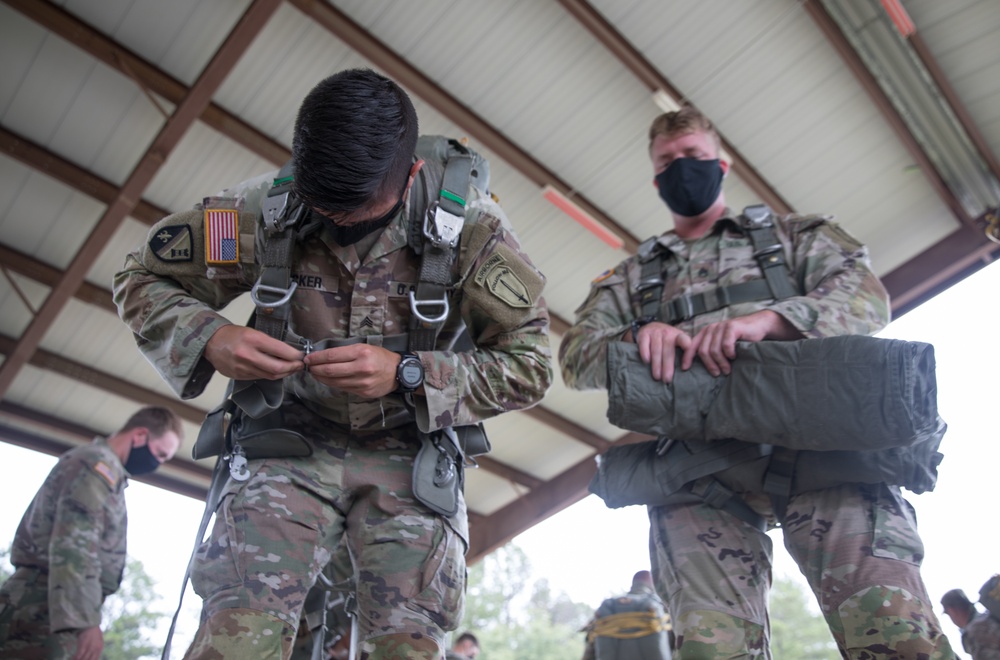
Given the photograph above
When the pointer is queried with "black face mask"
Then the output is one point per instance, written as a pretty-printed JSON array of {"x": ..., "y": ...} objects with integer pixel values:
[
  {"x": 690, "y": 186},
  {"x": 141, "y": 461},
  {"x": 350, "y": 234}
]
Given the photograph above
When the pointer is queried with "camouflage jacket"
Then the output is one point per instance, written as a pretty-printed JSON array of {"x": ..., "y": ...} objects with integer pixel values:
[
  {"x": 981, "y": 637},
  {"x": 75, "y": 529},
  {"x": 171, "y": 300},
  {"x": 840, "y": 294}
]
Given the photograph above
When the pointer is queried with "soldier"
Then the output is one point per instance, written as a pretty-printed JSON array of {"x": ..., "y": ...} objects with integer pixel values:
[
  {"x": 980, "y": 630},
  {"x": 630, "y": 627},
  {"x": 360, "y": 410},
  {"x": 69, "y": 550},
  {"x": 466, "y": 647},
  {"x": 704, "y": 286}
]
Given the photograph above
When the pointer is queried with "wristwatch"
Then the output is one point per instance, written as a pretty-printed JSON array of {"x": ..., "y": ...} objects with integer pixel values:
[{"x": 409, "y": 373}]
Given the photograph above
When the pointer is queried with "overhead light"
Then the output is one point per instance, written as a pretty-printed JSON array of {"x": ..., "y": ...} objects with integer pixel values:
[
  {"x": 878, "y": 32},
  {"x": 589, "y": 222},
  {"x": 665, "y": 101}
]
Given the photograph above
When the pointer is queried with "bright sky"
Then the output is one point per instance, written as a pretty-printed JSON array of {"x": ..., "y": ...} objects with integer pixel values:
[{"x": 590, "y": 552}]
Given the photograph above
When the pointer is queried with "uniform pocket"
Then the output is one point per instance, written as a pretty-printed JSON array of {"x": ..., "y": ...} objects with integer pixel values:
[
  {"x": 894, "y": 528},
  {"x": 443, "y": 579}
]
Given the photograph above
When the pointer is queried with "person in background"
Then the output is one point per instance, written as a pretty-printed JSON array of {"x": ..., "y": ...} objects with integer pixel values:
[
  {"x": 69, "y": 550},
  {"x": 980, "y": 630},
  {"x": 466, "y": 647}
]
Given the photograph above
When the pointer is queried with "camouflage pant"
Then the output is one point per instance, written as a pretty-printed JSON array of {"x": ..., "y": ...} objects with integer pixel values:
[
  {"x": 276, "y": 531},
  {"x": 24, "y": 620},
  {"x": 857, "y": 546}
]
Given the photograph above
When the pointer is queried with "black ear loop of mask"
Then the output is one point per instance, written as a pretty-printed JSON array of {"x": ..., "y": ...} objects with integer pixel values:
[{"x": 351, "y": 234}]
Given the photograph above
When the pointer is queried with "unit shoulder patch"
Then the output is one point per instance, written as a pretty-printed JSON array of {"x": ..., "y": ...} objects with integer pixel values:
[
  {"x": 172, "y": 244},
  {"x": 503, "y": 282},
  {"x": 603, "y": 276},
  {"x": 222, "y": 236}
]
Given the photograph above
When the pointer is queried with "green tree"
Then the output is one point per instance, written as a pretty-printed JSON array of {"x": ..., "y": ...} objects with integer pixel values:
[
  {"x": 797, "y": 631},
  {"x": 512, "y": 624},
  {"x": 129, "y": 617}
]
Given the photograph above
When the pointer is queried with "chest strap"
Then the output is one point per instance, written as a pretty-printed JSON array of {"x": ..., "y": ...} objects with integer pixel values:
[{"x": 758, "y": 222}]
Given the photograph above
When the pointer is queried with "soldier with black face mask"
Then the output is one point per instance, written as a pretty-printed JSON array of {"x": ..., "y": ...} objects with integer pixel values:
[
  {"x": 717, "y": 278},
  {"x": 69, "y": 550}
]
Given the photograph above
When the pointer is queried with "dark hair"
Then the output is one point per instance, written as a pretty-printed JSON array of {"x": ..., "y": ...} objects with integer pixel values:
[
  {"x": 956, "y": 598},
  {"x": 467, "y": 636},
  {"x": 354, "y": 140},
  {"x": 157, "y": 420}
]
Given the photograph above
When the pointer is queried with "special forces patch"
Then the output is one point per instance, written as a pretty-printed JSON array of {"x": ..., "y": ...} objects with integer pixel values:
[
  {"x": 502, "y": 282},
  {"x": 172, "y": 243}
]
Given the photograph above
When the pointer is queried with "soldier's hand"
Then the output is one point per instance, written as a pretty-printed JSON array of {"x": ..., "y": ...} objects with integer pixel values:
[
  {"x": 715, "y": 344},
  {"x": 89, "y": 644},
  {"x": 247, "y": 354},
  {"x": 362, "y": 369},
  {"x": 658, "y": 344}
]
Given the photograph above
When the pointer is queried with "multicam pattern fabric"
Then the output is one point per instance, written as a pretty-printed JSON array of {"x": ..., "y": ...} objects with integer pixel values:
[
  {"x": 857, "y": 544},
  {"x": 981, "y": 637},
  {"x": 69, "y": 553},
  {"x": 843, "y": 296},
  {"x": 274, "y": 531}
]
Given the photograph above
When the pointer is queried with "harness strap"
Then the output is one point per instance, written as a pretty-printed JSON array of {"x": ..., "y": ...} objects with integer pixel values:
[
  {"x": 716, "y": 495},
  {"x": 442, "y": 227},
  {"x": 778, "y": 478},
  {"x": 767, "y": 250},
  {"x": 219, "y": 478},
  {"x": 687, "y": 307}
]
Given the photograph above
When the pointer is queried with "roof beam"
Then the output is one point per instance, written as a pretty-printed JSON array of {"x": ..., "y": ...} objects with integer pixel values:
[
  {"x": 41, "y": 159},
  {"x": 558, "y": 493},
  {"x": 868, "y": 82},
  {"x": 355, "y": 36},
  {"x": 146, "y": 75},
  {"x": 648, "y": 74},
  {"x": 126, "y": 198},
  {"x": 55, "y": 447}
]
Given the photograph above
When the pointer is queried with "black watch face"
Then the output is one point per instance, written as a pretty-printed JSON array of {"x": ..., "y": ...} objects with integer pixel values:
[{"x": 411, "y": 373}]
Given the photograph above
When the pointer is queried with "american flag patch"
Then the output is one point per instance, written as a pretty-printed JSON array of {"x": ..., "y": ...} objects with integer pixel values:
[
  {"x": 105, "y": 471},
  {"x": 222, "y": 240}
]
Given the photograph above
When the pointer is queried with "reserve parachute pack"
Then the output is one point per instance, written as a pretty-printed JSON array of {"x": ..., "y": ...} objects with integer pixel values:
[
  {"x": 872, "y": 406},
  {"x": 633, "y": 626}
]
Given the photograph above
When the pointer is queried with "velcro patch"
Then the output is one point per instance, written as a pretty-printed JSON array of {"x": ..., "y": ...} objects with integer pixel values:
[
  {"x": 222, "y": 244},
  {"x": 503, "y": 282},
  {"x": 105, "y": 471},
  {"x": 172, "y": 244}
]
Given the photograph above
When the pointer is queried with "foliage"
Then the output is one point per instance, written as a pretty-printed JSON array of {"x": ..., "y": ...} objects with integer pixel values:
[
  {"x": 511, "y": 624},
  {"x": 796, "y": 630},
  {"x": 128, "y": 616}
]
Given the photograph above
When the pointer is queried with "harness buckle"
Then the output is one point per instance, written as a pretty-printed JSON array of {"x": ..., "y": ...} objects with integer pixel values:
[
  {"x": 278, "y": 214},
  {"x": 756, "y": 216},
  {"x": 285, "y": 294},
  {"x": 684, "y": 307},
  {"x": 446, "y": 229},
  {"x": 415, "y": 306},
  {"x": 648, "y": 282}
]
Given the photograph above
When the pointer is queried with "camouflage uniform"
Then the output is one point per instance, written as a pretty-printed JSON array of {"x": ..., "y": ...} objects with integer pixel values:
[
  {"x": 856, "y": 544},
  {"x": 981, "y": 637},
  {"x": 276, "y": 531},
  {"x": 69, "y": 554}
]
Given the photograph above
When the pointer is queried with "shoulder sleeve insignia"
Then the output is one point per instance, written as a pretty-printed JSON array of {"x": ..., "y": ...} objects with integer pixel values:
[
  {"x": 222, "y": 236},
  {"x": 106, "y": 472},
  {"x": 603, "y": 276},
  {"x": 501, "y": 280},
  {"x": 172, "y": 243}
]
